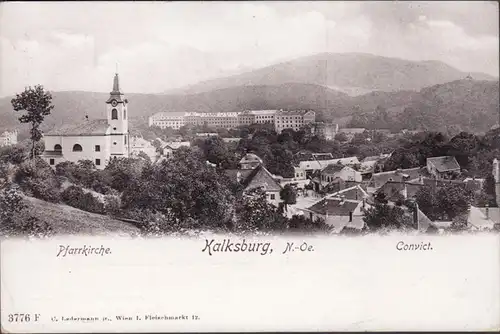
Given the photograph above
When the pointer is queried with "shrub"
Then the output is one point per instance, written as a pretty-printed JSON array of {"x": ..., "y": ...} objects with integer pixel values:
[
  {"x": 37, "y": 179},
  {"x": 14, "y": 216},
  {"x": 76, "y": 197},
  {"x": 112, "y": 205}
]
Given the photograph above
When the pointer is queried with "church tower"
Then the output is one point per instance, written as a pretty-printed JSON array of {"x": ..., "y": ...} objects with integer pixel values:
[{"x": 117, "y": 115}]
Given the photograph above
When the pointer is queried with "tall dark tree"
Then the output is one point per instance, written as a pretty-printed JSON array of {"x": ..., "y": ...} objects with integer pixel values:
[
  {"x": 289, "y": 195},
  {"x": 37, "y": 103}
]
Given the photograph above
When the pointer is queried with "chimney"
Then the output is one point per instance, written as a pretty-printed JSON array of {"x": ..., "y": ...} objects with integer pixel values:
[
  {"x": 405, "y": 191},
  {"x": 415, "y": 216}
]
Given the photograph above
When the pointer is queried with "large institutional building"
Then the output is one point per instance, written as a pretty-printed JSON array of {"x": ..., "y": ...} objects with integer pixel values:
[
  {"x": 97, "y": 140},
  {"x": 281, "y": 119}
]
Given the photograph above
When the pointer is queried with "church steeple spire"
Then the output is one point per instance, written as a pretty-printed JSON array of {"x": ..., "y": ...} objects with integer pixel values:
[
  {"x": 116, "y": 94},
  {"x": 116, "y": 85}
]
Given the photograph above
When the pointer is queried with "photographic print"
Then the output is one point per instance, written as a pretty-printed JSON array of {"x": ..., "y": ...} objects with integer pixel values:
[{"x": 249, "y": 166}]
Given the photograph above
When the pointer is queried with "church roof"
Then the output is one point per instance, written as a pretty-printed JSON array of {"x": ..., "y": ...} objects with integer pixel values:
[{"x": 93, "y": 127}]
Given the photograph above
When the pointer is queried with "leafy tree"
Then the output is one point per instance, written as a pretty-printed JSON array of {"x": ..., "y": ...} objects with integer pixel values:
[
  {"x": 38, "y": 179},
  {"x": 37, "y": 103},
  {"x": 300, "y": 223},
  {"x": 255, "y": 213},
  {"x": 489, "y": 190},
  {"x": 341, "y": 137},
  {"x": 384, "y": 216},
  {"x": 289, "y": 195},
  {"x": 121, "y": 173},
  {"x": 184, "y": 189}
]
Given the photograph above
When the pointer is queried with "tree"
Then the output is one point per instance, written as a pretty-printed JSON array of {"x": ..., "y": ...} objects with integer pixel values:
[
  {"x": 383, "y": 216},
  {"x": 489, "y": 190},
  {"x": 289, "y": 195},
  {"x": 38, "y": 104},
  {"x": 185, "y": 189},
  {"x": 255, "y": 213}
]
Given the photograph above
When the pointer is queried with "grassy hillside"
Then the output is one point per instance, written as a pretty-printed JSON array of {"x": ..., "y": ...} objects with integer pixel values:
[{"x": 68, "y": 220}]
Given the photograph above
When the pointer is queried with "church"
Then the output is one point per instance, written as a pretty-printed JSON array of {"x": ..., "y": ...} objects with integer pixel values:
[{"x": 98, "y": 140}]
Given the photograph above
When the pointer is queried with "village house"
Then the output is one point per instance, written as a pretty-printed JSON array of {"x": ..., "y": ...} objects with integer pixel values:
[
  {"x": 350, "y": 132},
  {"x": 338, "y": 212},
  {"x": 379, "y": 179},
  {"x": 139, "y": 144},
  {"x": 258, "y": 177},
  {"x": 444, "y": 167},
  {"x": 326, "y": 130},
  {"x": 8, "y": 138},
  {"x": 311, "y": 166},
  {"x": 250, "y": 161},
  {"x": 168, "y": 148},
  {"x": 97, "y": 140}
]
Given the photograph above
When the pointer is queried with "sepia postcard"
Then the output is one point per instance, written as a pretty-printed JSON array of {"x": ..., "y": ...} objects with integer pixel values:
[{"x": 249, "y": 166}]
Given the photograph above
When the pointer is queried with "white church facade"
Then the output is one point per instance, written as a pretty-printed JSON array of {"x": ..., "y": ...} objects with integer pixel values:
[{"x": 98, "y": 140}]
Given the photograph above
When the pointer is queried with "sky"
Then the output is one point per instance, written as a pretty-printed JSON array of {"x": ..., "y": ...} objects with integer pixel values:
[{"x": 158, "y": 46}]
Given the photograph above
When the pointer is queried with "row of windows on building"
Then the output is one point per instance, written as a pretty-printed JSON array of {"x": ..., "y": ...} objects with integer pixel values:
[{"x": 79, "y": 148}]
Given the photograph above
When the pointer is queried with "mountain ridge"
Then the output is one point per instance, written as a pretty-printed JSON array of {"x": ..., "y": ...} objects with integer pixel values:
[{"x": 362, "y": 71}]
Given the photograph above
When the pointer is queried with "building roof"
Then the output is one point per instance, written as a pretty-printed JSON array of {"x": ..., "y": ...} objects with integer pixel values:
[
  {"x": 174, "y": 145},
  {"x": 392, "y": 189},
  {"x": 332, "y": 168},
  {"x": 444, "y": 163},
  {"x": 167, "y": 114},
  {"x": 477, "y": 217},
  {"x": 232, "y": 174},
  {"x": 250, "y": 157},
  {"x": 320, "y": 164},
  {"x": 334, "y": 207},
  {"x": 139, "y": 141},
  {"x": 260, "y": 177},
  {"x": 293, "y": 112},
  {"x": 93, "y": 127},
  {"x": 352, "y": 130},
  {"x": 376, "y": 157},
  {"x": 397, "y": 175},
  {"x": 352, "y": 191}
]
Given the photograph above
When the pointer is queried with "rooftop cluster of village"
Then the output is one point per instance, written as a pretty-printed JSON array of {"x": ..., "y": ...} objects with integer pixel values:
[{"x": 288, "y": 157}]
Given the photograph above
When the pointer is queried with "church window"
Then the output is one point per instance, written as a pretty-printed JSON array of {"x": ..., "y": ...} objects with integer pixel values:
[
  {"x": 98, "y": 148},
  {"x": 124, "y": 113},
  {"x": 97, "y": 162},
  {"x": 114, "y": 143},
  {"x": 114, "y": 129},
  {"x": 125, "y": 138},
  {"x": 114, "y": 114},
  {"x": 57, "y": 147},
  {"x": 77, "y": 148},
  {"x": 52, "y": 162}
]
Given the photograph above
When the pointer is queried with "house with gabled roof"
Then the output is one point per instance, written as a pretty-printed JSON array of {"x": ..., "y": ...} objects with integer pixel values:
[
  {"x": 258, "y": 177},
  {"x": 379, "y": 179},
  {"x": 444, "y": 167},
  {"x": 338, "y": 212}
]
